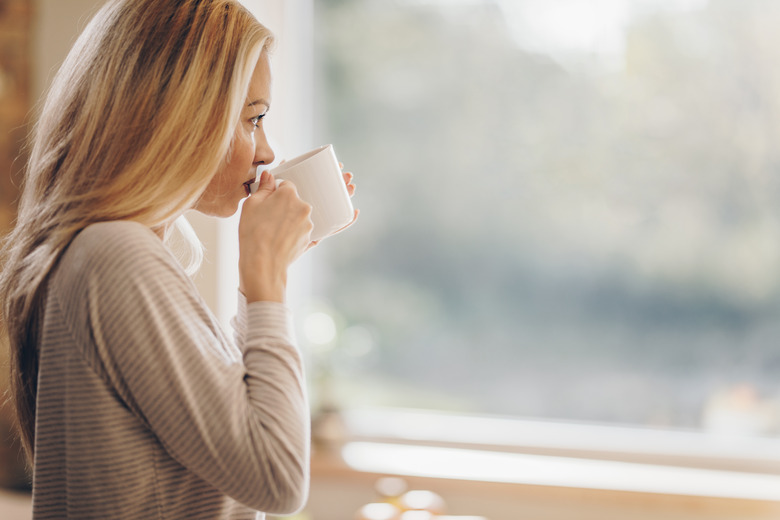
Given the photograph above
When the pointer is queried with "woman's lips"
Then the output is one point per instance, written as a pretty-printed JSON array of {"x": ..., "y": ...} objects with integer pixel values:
[{"x": 247, "y": 187}]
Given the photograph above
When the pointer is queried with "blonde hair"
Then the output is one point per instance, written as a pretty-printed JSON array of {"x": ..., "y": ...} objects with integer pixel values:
[{"x": 135, "y": 124}]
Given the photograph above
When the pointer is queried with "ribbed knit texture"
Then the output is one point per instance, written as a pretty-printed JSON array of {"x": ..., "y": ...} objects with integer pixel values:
[{"x": 146, "y": 408}]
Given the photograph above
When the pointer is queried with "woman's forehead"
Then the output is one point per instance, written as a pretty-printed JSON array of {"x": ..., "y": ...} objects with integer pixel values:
[{"x": 260, "y": 84}]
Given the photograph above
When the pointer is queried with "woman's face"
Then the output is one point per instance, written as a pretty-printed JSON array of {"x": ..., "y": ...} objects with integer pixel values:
[{"x": 250, "y": 149}]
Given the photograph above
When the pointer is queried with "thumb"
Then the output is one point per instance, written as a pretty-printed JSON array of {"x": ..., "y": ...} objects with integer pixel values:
[{"x": 264, "y": 186}]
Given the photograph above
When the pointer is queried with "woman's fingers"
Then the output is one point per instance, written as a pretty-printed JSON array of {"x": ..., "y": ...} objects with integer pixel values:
[
  {"x": 348, "y": 181},
  {"x": 265, "y": 185}
]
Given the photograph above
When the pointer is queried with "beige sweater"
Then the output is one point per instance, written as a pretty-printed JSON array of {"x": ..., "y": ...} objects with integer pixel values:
[{"x": 146, "y": 409}]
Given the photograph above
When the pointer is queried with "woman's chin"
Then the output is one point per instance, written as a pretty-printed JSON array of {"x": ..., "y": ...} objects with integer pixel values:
[{"x": 223, "y": 209}]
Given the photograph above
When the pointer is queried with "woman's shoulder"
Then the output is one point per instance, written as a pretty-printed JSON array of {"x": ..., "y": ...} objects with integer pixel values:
[
  {"x": 115, "y": 233},
  {"x": 114, "y": 249},
  {"x": 118, "y": 238}
]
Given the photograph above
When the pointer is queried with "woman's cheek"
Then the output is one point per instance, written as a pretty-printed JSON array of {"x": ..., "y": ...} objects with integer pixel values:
[{"x": 247, "y": 153}]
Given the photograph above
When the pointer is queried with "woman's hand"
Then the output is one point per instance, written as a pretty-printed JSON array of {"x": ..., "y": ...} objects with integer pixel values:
[
  {"x": 348, "y": 178},
  {"x": 273, "y": 232}
]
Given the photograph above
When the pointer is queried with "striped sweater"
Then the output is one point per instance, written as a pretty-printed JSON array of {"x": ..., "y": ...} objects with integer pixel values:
[{"x": 146, "y": 409}]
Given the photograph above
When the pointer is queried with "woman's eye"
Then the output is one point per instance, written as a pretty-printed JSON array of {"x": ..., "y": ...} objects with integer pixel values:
[{"x": 256, "y": 120}]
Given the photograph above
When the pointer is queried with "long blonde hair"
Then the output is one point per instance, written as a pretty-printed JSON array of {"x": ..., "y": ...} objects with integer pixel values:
[{"x": 135, "y": 124}]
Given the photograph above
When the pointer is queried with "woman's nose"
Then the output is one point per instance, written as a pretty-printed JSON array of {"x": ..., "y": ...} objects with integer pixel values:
[{"x": 264, "y": 154}]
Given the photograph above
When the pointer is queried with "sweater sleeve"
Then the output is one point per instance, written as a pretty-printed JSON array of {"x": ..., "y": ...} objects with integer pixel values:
[
  {"x": 239, "y": 322},
  {"x": 240, "y": 424}
]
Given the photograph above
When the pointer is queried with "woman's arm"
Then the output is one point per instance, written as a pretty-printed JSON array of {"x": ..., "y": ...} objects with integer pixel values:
[{"x": 241, "y": 425}]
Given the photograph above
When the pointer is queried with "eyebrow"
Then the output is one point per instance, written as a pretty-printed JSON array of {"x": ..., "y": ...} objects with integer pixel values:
[{"x": 259, "y": 102}]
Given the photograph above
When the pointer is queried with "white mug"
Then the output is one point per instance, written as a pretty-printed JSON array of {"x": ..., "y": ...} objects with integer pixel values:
[{"x": 320, "y": 183}]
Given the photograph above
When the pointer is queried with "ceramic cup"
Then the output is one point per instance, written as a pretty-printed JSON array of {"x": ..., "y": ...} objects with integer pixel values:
[{"x": 319, "y": 181}]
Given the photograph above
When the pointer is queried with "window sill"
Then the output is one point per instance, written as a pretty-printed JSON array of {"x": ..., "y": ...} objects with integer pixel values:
[
  {"x": 501, "y": 468},
  {"x": 680, "y": 448}
]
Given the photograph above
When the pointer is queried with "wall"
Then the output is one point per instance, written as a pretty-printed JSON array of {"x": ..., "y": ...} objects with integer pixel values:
[
  {"x": 35, "y": 36},
  {"x": 15, "y": 93}
]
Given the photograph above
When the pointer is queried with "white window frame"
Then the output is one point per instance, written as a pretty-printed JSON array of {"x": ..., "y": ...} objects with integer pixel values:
[{"x": 289, "y": 128}]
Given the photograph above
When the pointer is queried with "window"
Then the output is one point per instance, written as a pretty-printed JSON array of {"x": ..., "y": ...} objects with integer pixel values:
[{"x": 570, "y": 210}]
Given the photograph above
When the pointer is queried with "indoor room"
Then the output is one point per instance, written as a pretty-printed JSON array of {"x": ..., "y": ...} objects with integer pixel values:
[{"x": 561, "y": 297}]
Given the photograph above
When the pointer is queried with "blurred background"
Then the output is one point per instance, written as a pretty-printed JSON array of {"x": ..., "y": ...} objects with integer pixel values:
[
  {"x": 571, "y": 208},
  {"x": 570, "y": 221}
]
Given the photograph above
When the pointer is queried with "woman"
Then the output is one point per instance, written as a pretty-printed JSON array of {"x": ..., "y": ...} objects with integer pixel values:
[{"x": 131, "y": 400}]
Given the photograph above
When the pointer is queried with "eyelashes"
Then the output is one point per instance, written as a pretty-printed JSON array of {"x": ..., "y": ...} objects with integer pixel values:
[{"x": 256, "y": 120}]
